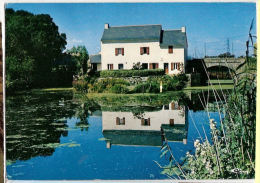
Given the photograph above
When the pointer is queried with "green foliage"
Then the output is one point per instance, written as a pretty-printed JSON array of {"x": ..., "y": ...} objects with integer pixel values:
[
  {"x": 107, "y": 85},
  {"x": 118, "y": 88},
  {"x": 33, "y": 43},
  {"x": 131, "y": 73},
  {"x": 147, "y": 87},
  {"x": 80, "y": 85},
  {"x": 230, "y": 152},
  {"x": 137, "y": 66},
  {"x": 80, "y": 57},
  {"x": 110, "y": 85},
  {"x": 169, "y": 83}
]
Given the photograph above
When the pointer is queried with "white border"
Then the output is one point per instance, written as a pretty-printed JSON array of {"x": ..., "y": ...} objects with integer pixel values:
[{"x": 2, "y": 7}]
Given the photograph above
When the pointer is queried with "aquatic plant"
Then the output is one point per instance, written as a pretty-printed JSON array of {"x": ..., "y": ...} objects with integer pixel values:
[{"x": 230, "y": 151}]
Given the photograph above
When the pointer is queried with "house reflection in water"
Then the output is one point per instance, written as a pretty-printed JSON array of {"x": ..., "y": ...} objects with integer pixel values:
[{"x": 146, "y": 129}]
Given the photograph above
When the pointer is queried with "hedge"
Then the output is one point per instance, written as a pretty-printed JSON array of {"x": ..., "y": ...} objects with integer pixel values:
[{"x": 130, "y": 73}]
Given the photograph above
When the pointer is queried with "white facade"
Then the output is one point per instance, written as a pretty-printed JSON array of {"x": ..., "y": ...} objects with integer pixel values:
[
  {"x": 124, "y": 124},
  {"x": 132, "y": 56},
  {"x": 157, "y": 118},
  {"x": 173, "y": 62}
]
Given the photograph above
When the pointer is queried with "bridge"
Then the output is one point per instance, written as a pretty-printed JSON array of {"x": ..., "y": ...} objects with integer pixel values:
[{"x": 231, "y": 63}]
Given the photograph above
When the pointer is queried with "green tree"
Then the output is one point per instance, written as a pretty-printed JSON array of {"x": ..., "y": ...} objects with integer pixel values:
[
  {"x": 33, "y": 43},
  {"x": 80, "y": 57}
]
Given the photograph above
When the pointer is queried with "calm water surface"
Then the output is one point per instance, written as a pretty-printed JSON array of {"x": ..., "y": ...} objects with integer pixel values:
[{"x": 56, "y": 135}]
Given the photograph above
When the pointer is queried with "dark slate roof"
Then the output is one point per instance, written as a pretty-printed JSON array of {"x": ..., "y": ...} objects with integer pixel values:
[
  {"x": 129, "y": 34},
  {"x": 133, "y": 137},
  {"x": 175, "y": 133},
  {"x": 176, "y": 38},
  {"x": 95, "y": 59}
]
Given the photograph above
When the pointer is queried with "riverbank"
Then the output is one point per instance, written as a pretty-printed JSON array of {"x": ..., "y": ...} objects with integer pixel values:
[{"x": 224, "y": 85}]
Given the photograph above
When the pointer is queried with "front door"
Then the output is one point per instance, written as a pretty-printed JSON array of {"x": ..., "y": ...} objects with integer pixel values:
[{"x": 166, "y": 68}]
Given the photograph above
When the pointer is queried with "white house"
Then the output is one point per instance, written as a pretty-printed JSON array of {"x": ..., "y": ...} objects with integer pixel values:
[
  {"x": 125, "y": 128},
  {"x": 124, "y": 46}
]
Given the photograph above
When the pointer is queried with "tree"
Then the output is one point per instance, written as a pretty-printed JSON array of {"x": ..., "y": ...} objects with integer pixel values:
[
  {"x": 33, "y": 43},
  {"x": 227, "y": 54},
  {"x": 81, "y": 56}
]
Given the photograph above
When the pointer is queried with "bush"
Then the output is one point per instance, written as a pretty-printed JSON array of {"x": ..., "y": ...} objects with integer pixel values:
[
  {"x": 147, "y": 87},
  {"x": 170, "y": 83},
  {"x": 109, "y": 85},
  {"x": 80, "y": 85},
  {"x": 130, "y": 73},
  {"x": 117, "y": 88}
]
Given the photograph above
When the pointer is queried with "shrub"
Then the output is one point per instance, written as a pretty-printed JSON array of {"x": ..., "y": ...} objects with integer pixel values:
[
  {"x": 117, "y": 88},
  {"x": 147, "y": 87},
  {"x": 80, "y": 85},
  {"x": 130, "y": 73},
  {"x": 109, "y": 85}
]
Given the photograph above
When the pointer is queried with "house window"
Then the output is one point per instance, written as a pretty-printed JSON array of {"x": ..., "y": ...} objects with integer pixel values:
[
  {"x": 120, "y": 66},
  {"x": 170, "y": 49},
  {"x": 145, "y": 122},
  {"x": 166, "y": 107},
  {"x": 171, "y": 121},
  {"x": 120, "y": 121},
  {"x": 144, "y": 66},
  {"x": 109, "y": 66},
  {"x": 175, "y": 66},
  {"x": 153, "y": 66},
  {"x": 144, "y": 50},
  {"x": 119, "y": 51}
]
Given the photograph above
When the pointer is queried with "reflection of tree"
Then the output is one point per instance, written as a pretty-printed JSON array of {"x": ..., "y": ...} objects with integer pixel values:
[
  {"x": 35, "y": 123},
  {"x": 82, "y": 113}
]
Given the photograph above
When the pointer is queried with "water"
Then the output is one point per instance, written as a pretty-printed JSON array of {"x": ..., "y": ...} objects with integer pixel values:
[{"x": 57, "y": 135}]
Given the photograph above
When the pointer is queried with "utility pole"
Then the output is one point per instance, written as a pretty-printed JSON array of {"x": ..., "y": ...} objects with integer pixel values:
[
  {"x": 232, "y": 49},
  {"x": 205, "y": 50},
  {"x": 228, "y": 49}
]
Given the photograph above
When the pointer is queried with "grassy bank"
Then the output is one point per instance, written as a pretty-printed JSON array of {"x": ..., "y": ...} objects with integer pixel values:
[{"x": 52, "y": 89}]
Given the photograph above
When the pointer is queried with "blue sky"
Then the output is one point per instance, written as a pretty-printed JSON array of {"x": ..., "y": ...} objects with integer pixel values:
[{"x": 209, "y": 24}]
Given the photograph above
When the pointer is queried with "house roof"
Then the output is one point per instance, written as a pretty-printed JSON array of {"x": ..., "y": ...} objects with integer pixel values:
[
  {"x": 133, "y": 137},
  {"x": 175, "y": 133},
  {"x": 129, "y": 34},
  {"x": 176, "y": 38},
  {"x": 95, "y": 59}
]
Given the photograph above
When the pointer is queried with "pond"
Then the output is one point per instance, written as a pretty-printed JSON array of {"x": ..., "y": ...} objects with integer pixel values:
[{"x": 62, "y": 135}]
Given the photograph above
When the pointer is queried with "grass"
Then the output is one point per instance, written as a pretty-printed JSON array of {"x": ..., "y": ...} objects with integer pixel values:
[
  {"x": 51, "y": 89},
  {"x": 216, "y": 87}
]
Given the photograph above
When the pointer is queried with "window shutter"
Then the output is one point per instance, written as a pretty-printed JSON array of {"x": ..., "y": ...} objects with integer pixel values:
[
  {"x": 157, "y": 66},
  {"x": 112, "y": 67},
  {"x": 149, "y": 122},
  {"x": 117, "y": 121},
  {"x": 178, "y": 65},
  {"x": 123, "y": 51},
  {"x": 150, "y": 66},
  {"x": 147, "y": 50},
  {"x": 123, "y": 120},
  {"x": 171, "y": 122},
  {"x": 173, "y": 105},
  {"x": 172, "y": 66},
  {"x": 170, "y": 49},
  {"x": 142, "y": 121},
  {"x": 141, "y": 50},
  {"x": 116, "y": 51}
]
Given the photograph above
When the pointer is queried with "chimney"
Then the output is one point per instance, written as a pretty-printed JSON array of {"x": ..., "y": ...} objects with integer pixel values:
[
  {"x": 183, "y": 29},
  {"x": 106, "y": 25}
]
